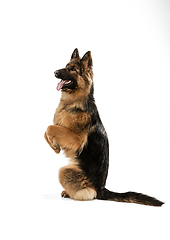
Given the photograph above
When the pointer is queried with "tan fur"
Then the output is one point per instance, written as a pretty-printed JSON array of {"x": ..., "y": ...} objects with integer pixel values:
[
  {"x": 75, "y": 183},
  {"x": 64, "y": 117},
  {"x": 55, "y": 148},
  {"x": 71, "y": 129},
  {"x": 85, "y": 194},
  {"x": 66, "y": 138}
]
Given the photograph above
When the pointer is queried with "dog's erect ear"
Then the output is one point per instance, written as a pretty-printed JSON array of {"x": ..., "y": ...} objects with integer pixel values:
[
  {"x": 87, "y": 60},
  {"x": 75, "y": 54}
]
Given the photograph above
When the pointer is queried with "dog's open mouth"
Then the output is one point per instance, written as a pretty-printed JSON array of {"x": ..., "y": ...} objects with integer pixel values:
[{"x": 63, "y": 83}]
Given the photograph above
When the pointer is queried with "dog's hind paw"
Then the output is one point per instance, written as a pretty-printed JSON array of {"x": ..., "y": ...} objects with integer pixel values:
[{"x": 64, "y": 194}]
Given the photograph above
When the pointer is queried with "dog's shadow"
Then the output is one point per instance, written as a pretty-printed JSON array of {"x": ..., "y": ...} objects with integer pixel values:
[{"x": 55, "y": 196}]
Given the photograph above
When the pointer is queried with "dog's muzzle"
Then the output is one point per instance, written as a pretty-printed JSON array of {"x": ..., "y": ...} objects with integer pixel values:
[{"x": 56, "y": 73}]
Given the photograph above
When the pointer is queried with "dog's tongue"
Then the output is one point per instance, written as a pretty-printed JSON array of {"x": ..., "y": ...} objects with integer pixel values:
[{"x": 60, "y": 85}]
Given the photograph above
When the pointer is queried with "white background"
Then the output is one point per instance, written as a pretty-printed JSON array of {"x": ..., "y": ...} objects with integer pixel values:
[{"x": 130, "y": 45}]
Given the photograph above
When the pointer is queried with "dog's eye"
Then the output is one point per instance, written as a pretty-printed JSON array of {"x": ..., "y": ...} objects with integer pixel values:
[{"x": 73, "y": 69}]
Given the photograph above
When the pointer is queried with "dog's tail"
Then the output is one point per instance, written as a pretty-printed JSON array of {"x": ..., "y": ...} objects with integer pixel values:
[{"x": 130, "y": 197}]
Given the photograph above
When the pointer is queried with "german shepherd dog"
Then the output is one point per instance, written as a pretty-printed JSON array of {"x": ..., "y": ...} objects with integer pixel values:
[{"x": 78, "y": 131}]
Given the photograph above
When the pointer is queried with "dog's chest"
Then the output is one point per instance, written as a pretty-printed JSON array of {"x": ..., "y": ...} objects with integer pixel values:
[
  {"x": 72, "y": 118},
  {"x": 61, "y": 118}
]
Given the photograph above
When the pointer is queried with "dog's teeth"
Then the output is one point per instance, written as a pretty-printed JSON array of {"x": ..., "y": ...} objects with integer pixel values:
[{"x": 68, "y": 82}]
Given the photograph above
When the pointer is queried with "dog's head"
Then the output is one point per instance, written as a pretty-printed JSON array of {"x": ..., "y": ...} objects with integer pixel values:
[{"x": 77, "y": 75}]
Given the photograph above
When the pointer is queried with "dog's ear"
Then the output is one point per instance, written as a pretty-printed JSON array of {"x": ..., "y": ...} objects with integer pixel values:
[
  {"x": 75, "y": 54},
  {"x": 87, "y": 60}
]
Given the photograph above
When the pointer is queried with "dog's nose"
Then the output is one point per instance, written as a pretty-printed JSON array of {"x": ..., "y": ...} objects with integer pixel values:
[{"x": 56, "y": 73}]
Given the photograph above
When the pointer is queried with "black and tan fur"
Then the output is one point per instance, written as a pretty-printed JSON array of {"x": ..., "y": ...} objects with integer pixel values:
[{"x": 78, "y": 131}]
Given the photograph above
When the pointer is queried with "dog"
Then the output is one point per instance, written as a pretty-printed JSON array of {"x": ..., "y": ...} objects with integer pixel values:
[{"x": 78, "y": 130}]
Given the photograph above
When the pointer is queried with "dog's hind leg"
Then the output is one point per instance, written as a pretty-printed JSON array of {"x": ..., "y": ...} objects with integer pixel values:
[{"x": 76, "y": 184}]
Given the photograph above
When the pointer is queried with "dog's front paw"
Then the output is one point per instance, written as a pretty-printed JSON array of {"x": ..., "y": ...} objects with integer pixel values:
[
  {"x": 51, "y": 141},
  {"x": 56, "y": 146}
]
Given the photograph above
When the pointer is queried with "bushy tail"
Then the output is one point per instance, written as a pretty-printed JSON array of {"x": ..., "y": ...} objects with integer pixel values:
[{"x": 130, "y": 197}]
